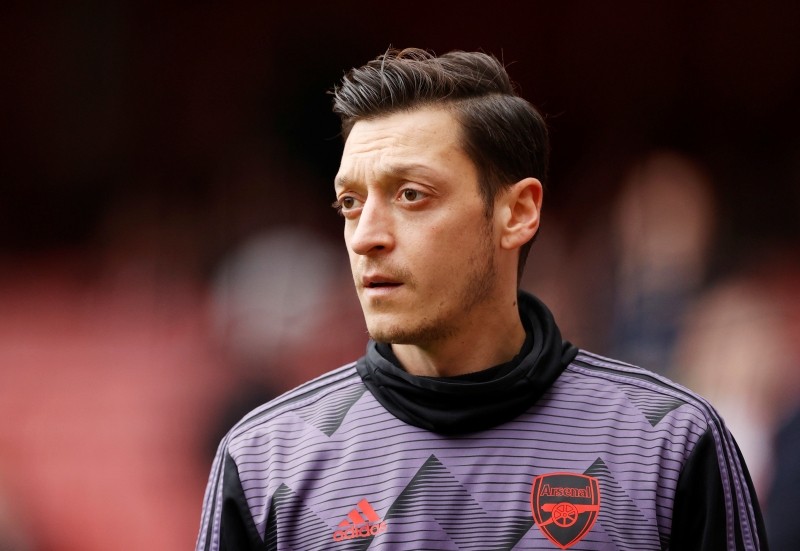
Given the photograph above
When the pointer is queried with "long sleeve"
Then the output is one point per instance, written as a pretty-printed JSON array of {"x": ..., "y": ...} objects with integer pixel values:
[
  {"x": 713, "y": 513},
  {"x": 227, "y": 524}
]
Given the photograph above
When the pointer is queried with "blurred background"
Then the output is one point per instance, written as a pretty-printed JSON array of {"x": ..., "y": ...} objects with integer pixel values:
[{"x": 168, "y": 259}]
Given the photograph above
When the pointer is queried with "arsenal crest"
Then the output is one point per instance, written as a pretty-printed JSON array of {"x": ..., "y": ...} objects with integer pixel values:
[{"x": 565, "y": 506}]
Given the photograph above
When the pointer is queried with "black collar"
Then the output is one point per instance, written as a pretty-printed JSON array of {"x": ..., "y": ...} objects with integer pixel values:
[{"x": 458, "y": 405}]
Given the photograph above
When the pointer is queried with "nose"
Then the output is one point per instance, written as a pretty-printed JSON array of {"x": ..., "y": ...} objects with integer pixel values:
[{"x": 372, "y": 232}]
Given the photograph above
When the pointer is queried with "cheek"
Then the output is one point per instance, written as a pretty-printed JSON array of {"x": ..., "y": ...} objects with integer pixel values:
[
  {"x": 353, "y": 257},
  {"x": 348, "y": 238},
  {"x": 441, "y": 254}
]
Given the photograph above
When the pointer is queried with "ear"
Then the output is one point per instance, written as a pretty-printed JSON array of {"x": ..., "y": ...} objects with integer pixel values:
[{"x": 519, "y": 208}]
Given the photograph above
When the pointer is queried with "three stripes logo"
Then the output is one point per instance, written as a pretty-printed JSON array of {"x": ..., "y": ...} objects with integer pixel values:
[{"x": 361, "y": 522}]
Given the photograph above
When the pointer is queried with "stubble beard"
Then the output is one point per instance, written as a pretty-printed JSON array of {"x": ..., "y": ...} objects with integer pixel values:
[{"x": 443, "y": 324}]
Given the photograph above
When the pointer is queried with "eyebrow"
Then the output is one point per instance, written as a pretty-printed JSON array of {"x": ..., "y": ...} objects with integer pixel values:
[
  {"x": 341, "y": 181},
  {"x": 393, "y": 171}
]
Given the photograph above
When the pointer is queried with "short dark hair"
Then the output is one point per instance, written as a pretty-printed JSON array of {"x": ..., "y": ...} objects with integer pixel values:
[{"x": 504, "y": 135}]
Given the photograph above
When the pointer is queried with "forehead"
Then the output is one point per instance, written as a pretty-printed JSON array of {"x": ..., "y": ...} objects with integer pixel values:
[{"x": 426, "y": 137}]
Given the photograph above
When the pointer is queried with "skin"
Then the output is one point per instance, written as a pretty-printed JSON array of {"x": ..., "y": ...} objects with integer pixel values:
[{"x": 435, "y": 276}]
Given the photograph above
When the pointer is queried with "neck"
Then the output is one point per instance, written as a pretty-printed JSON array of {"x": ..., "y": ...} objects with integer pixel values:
[{"x": 488, "y": 343}]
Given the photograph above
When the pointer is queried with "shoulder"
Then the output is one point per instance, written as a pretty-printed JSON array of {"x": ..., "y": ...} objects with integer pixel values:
[
  {"x": 655, "y": 395},
  {"x": 298, "y": 405}
]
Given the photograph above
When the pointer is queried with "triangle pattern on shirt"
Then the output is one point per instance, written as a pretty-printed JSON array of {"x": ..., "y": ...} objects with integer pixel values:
[
  {"x": 654, "y": 407},
  {"x": 435, "y": 496},
  {"x": 329, "y": 411},
  {"x": 312, "y": 529},
  {"x": 629, "y": 528}
]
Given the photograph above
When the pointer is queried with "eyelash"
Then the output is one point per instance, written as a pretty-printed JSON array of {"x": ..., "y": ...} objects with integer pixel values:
[{"x": 339, "y": 206}]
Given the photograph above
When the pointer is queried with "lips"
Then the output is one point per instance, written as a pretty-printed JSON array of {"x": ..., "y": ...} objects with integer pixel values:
[{"x": 377, "y": 281}]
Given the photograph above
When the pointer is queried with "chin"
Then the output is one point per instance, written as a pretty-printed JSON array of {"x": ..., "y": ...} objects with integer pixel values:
[
  {"x": 415, "y": 333},
  {"x": 391, "y": 331},
  {"x": 381, "y": 333}
]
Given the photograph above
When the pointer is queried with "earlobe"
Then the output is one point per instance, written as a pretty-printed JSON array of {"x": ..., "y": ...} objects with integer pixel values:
[{"x": 522, "y": 205}]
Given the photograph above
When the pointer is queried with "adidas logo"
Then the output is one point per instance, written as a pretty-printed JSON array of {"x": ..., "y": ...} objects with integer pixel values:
[{"x": 361, "y": 522}]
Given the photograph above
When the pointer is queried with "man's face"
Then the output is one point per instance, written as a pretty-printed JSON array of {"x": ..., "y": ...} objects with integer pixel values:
[{"x": 421, "y": 247}]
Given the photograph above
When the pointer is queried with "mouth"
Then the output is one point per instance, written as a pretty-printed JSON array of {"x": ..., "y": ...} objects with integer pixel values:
[{"x": 379, "y": 282}]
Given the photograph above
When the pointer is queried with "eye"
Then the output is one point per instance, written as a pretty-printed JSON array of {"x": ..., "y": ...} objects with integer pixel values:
[
  {"x": 346, "y": 204},
  {"x": 412, "y": 195}
]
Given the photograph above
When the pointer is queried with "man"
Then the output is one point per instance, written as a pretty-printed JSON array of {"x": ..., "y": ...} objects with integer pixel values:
[{"x": 469, "y": 423}]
